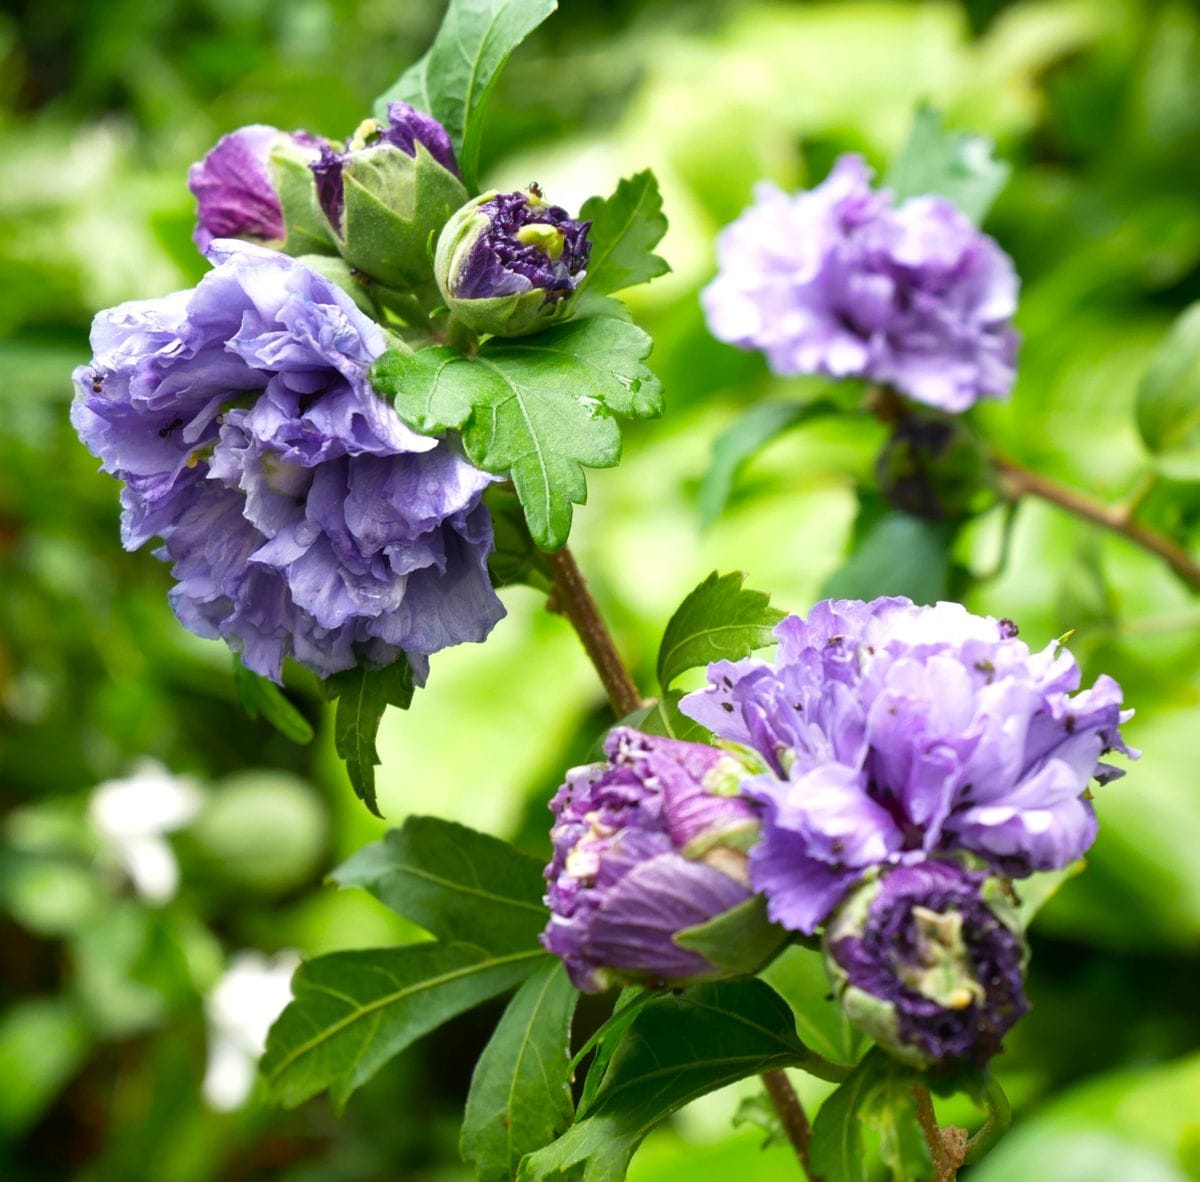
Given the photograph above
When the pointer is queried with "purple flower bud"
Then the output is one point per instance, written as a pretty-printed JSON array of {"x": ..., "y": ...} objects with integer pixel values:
[
  {"x": 838, "y": 281},
  {"x": 928, "y": 964},
  {"x": 405, "y": 129},
  {"x": 507, "y": 263},
  {"x": 235, "y": 194},
  {"x": 894, "y": 732},
  {"x": 645, "y": 846}
]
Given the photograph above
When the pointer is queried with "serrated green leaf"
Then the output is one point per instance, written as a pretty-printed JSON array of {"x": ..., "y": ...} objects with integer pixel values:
[
  {"x": 538, "y": 408},
  {"x": 741, "y": 940},
  {"x": 362, "y": 696},
  {"x": 353, "y": 1011},
  {"x": 261, "y": 698},
  {"x": 625, "y": 229},
  {"x": 520, "y": 1097},
  {"x": 455, "y": 79},
  {"x": 677, "y": 1048},
  {"x": 719, "y": 620},
  {"x": 952, "y": 164},
  {"x": 456, "y": 883},
  {"x": 899, "y": 555},
  {"x": 751, "y": 432},
  {"x": 1168, "y": 401}
]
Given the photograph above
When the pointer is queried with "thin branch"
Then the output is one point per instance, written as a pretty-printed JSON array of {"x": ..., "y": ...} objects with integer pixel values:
[
  {"x": 792, "y": 1115},
  {"x": 1017, "y": 481},
  {"x": 948, "y": 1146}
]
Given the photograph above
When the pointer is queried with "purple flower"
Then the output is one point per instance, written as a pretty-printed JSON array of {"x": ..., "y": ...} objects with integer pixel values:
[
  {"x": 303, "y": 518},
  {"x": 507, "y": 263},
  {"x": 645, "y": 845},
  {"x": 895, "y": 732},
  {"x": 235, "y": 195},
  {"x": 406, "y": 128},
  {"x": 838, "y": 281},
  {"x": 927, "y": 960}
]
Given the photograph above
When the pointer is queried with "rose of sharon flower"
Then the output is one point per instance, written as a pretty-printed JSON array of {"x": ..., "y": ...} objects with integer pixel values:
[
  {"x": 894, "y": 732},
  {"x": 645, "y": 845},
  {"x": 928, "y": 963},
  {"x": 838, "y": 281},
  {"x": 303, "y": 518},
  {"x": 507, "y": 263},
  {"x": 235, "y": 195}
]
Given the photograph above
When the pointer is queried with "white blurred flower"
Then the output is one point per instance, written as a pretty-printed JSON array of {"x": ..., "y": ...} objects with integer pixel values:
[
  {"x": 132, "y": 814},
  {"x": 243, "y": 1004}
]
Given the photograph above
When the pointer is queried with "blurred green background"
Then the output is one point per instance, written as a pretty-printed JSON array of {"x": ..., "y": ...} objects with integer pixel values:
[{"x": 104, "y": 103}]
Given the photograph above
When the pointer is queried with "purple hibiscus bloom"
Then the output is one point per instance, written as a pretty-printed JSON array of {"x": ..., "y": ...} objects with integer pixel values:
[
  {"x": 405, "y": 129},
  {"x": 928, "y": 961},
  {"x": 645, "y": 845},
  {"x": 235, "y": 195},
  {"x": 895, "y": 732},
  {"x": 838, "y": 281},
  {"x": 303, "y": 518}
]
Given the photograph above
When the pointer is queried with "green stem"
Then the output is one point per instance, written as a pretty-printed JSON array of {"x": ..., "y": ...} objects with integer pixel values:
[{"x": 998, "y": 1119}]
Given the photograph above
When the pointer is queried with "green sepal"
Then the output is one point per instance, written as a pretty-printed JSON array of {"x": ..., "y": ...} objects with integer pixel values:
[
  {"x": 306, "y": 230},
  {"x": 741, "y": 941}
]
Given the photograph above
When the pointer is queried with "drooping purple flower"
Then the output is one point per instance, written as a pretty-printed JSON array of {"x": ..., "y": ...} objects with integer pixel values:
[
  {"x": 405, "y": 129},
  {"x": 645, "y": 845},
  {"x": 837, "y": 280},
  {"x": 303, "y": 518},
  {"x": 895, "y": 732},
  {"x": 929, "y": 963},
  {"x": 235, "y": 195}
]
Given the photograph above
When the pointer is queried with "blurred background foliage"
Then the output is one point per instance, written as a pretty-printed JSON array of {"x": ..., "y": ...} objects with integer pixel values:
[{"x": 104, "y": 103}]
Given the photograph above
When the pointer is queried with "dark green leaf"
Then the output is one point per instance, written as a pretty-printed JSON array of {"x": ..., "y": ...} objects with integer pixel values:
[
  {"x": 951, "y": 164},
  {"x": 798, "y": 975},
  {"x": 1168, "y": 403},
  {"x": 353, "y": 1011},
  {"x": 515, "y": 557},
  {"x": 538, "y": 408},
  {"x": 718, "y": 620},
  {"x": 456, "y": 883},
  {"x": 520, "y": 1097},
  {"x": 750, "y": 433},
  {"x": 625, "y": 229},
  {"x": 741, "y": 940},
  {"x": 455, "y": 79},
  {"x": 899, "y": 555},
  {"x": 261, "y": 698},
  {"x": 362, "y": 696},
  {"x": 678, "y": 1048}
]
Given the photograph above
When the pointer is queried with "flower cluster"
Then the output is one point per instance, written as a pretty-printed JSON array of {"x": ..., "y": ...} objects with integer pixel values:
[
  {"x": 839, "y": 281},
  {"x": 303, "y": 518}
]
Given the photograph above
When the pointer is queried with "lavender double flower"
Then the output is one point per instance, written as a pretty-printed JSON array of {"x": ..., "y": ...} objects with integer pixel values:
[
  {"x": 302, "y": 517},
  {"x": 895, "y": 733},
  {"x": 839, "y": 281}
]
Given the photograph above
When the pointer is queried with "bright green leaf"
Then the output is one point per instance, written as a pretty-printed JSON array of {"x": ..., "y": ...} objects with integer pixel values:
[
  {"x": 455, "y": 79},
  {"x": 719, "y": 620},
  {"x": 353, "y": 1011},
  {"x": 520, "y": 1097},
  {"x": 1168, "y": 402},
  {"x": 899, "y": 555},
  {"x": 741, "y": 940},
  {"x": 951, "y": 164},
  {"x": 663, "y": 717},
  {"x": 362, "y": 696},
  {"x": 456, "y": 883},
  {"x": 625, "y": 229},
  {"x": 261, "y": 698},
  {"x": 538, "y": 408},
  {"x": 798, "y": 975}
]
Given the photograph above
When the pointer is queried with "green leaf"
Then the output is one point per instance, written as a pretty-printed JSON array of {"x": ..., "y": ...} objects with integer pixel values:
[
  {"x": 952, "y": 164},
  {"x": 751, "y": 432},
  {"x": 625, "y": 229},
  {"x": 718, "y": 620},
  {"x": 741, "y": 940},
  {"x": 538, "y": 408},
  {"x": 1168, "y": 401},
  {"x": 455, "y": 883},
  {"x": 353, "y": 1011},
  {"x": 362, "y": 696},
  {"x": 899, "y": 555},
  {"x": 261, "y": 698},
  {"x": 678, "y": 1048},
  {"x": 515, "y": 557},
  {"x": 877, "y": 1094},
  {"x": 455, "y": 79},
  {"x": 798, "y": 975},
  {"x": 663, "y": 717},
  {"x": 520, "y": 1097}
]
